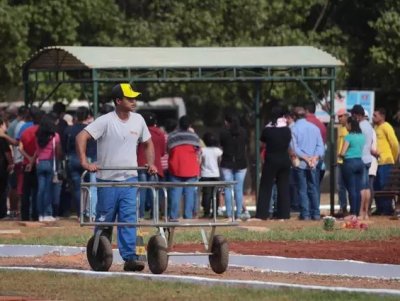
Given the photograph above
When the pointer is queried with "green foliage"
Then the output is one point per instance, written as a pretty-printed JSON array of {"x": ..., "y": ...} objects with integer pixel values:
[
  {"x": 101, "y": 23},
  {"x": 13, "y": 47},
  {"x": 364, "y": 34},
  {"x": 385, "y": 52},
  {"x": 51, "y": 23}
]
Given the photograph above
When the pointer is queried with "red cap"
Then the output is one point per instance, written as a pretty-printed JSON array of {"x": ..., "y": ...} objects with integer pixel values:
[{"x": 341, "y": 112}]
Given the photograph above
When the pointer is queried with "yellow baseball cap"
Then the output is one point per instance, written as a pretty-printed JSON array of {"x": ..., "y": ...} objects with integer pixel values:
[{"x": 123, "y": 90}]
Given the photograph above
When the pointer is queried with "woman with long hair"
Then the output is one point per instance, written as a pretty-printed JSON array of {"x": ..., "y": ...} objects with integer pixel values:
[
  {"x": 353, "y": 165},
  {"x": 233, "y": 140},
  {"x": 48, "y": 151}
]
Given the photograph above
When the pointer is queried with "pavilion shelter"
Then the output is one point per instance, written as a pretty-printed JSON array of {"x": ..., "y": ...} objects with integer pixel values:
[{"x": 58, "y": 65}]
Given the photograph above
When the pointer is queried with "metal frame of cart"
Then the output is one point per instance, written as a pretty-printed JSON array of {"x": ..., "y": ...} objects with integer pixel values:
[{"x": 99, "y": 250}]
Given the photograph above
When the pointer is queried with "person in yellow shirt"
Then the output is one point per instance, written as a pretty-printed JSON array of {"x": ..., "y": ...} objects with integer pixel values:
[
  {"x": 388, "y": 151},
  {"x": 342, "y": 132}
]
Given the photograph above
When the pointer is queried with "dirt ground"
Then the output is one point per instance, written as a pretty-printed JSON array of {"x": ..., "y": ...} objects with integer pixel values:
[{"x": 381, "y": 251}]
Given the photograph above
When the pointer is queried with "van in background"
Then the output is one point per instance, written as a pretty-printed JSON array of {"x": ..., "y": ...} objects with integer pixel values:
[{"x": 164, "y": 108}]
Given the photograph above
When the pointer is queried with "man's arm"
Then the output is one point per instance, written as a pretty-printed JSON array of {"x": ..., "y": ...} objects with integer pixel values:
[
  {"x": 10, "y": 162},
  {"x": 149, "y": 154},
  {"x": 394, "y": 143},
  {"x": 9, "y": 139},
  {"x": 296, "y": 149},
  {"x": 81, "y": 144}
]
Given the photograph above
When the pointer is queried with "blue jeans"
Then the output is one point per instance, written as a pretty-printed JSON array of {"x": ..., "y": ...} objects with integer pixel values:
[
  {"x": 176, "y": 193},
  {"x": 146, "y": 195},
  {"x": 342, "y": 192},
  {"x": 320, "y": 176},
  {"x": 365, "y": 176},
  {"x": 76, "y": 170},
  {"x": 44, "y": 171},
  {"x": 293, "y": 191},
  {"x": 307, "y": 184},
  {"x": 234, "y": 175},
  {"x": 121, "y": 202},
  {"x": 383, "y": 204},
  {"x": 56, "y": 198},
  {"x": 353, "y": 170}
]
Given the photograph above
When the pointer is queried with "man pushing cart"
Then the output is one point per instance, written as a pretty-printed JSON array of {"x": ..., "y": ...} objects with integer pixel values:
[{"x": 118, "y": 134}]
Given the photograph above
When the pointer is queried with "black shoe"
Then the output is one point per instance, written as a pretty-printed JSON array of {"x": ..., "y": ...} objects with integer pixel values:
[
  {"x": 341, "y": 213},
  {"x": 295, "y": 209},
  {"x": 376, "y": 213},
  {"x": 134, "y": 266}
]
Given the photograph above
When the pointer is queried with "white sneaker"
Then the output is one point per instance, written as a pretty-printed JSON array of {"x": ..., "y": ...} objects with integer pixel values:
[
  {"x": 220, "y": 212},
  {"x": 41, "y": 218},
  {"x": 49, "y": 219}
]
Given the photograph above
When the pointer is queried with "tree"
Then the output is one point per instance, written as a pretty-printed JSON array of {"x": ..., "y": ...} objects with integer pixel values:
[
  {"x": 186, "y": 23},
  {"x": 385, "y": 53},
  {"x": 13, "y": 47}
]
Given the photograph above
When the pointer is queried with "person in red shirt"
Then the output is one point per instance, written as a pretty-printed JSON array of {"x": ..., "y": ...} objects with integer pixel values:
[
  {"x": 159, "y": 142},
  {"x": 28, "y": 148},
  {"x": 184, "y": 166},
  {"x": 310, "y": 117}
]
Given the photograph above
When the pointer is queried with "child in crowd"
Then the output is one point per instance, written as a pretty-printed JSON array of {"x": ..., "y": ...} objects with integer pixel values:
[{"x": 210, "y": 158}]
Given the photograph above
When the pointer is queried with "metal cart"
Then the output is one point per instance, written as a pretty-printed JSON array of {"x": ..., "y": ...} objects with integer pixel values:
[{"x": 159, "y": 246}]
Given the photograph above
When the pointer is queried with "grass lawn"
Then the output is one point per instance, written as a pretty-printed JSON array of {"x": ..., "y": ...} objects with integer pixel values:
[
  {"x": 54, "y": 286},
  {"x": 68, "y": 232}
]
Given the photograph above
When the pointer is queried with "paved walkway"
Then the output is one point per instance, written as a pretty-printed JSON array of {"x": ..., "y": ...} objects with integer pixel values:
[{"x": 264, "y": 263}]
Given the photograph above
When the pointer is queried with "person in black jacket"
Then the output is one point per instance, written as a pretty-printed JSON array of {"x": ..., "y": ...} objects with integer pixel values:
[
  {"x": 233, "y": 140},
  {"x": 276, "y": 136},
  {"x": 6, "y": 165},
  {"x": 83, "y": 116}
]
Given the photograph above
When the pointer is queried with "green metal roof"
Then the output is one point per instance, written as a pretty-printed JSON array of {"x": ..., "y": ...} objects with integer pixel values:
[{"x": 82, "y": 57}]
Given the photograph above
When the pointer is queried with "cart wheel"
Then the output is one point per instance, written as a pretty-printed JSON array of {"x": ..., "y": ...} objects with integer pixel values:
[
  {"x": 220, "y": 254},
  {"x": 157, "y": 256},
  {"x": 103, "y": 259}
]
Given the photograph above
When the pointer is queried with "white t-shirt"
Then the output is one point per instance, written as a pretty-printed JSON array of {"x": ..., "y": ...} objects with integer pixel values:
[
  {"x": 209, "y": 162},
  {"x": 368, "y": 132},
  {"x": 374, "y": 163},
  {"x": 117, "y": 142}
]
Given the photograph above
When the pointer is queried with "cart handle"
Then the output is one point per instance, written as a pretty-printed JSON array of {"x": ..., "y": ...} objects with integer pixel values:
[
  {"x": 122, "y": 168},
  {"x": 114, "y": 168}
]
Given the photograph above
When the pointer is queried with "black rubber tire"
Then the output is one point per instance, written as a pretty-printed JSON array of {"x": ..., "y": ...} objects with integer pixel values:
[
  {"x": 104, "y": 256},
  {"x": 157, "y": 254},
  {"x": 220, "y": 254}
]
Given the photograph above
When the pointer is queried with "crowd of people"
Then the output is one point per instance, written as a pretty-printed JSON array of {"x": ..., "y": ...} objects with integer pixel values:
[
  {"x": 293, "y": 163},
  {"x": 42, "y": 162},
  {"x": 43, "y": 156},
  {"x": 31, "y": 168}
]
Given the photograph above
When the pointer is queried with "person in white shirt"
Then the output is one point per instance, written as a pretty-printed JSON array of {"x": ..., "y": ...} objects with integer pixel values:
[
  {"x": 118, "y": 134},
  {"x": 210, "y": 158}
]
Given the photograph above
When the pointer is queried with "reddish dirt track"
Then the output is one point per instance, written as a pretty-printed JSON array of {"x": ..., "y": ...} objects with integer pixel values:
[{"x": 383, "y": 251}]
